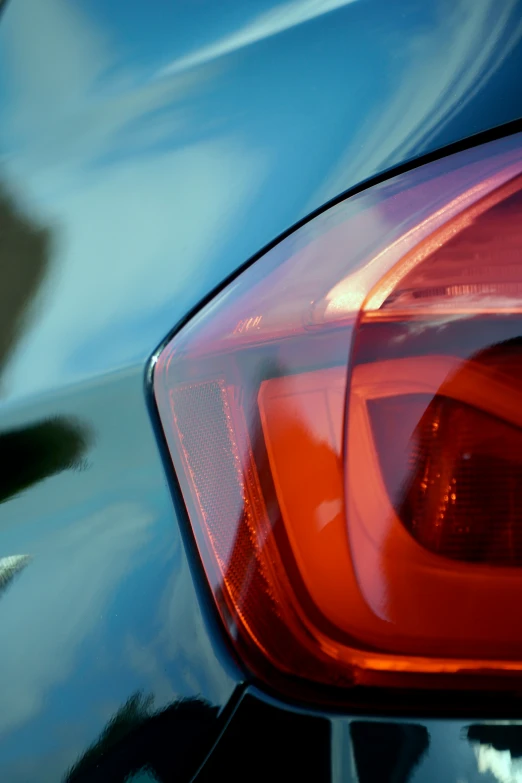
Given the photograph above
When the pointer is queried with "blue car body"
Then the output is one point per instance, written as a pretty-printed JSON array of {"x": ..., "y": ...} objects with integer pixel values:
[{"x": 147, "y": 151}]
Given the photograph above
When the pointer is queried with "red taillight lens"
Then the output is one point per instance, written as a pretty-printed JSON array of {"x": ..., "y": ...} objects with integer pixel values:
[{"x": 345, "y": 420}]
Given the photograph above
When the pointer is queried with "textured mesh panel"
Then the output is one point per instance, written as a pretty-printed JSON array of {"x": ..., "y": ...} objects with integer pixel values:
[
  {"x": 218, "y": 458},
  {"x": 203, "y": 418}
]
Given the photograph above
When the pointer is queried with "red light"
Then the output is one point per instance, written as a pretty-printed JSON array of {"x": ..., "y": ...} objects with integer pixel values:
[{"x": 345, "y": 421}]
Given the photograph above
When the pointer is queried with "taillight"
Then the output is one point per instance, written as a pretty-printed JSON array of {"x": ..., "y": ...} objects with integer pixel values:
[{"x": 345, "y": 421}]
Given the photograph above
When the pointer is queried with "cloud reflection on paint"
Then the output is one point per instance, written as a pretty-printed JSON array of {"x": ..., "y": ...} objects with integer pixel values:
[
  {"x": 78, "y": 590},
  {"x": 72, "y": 163},
  {"x": 54, "y": 69},
  {"x": 269, "y": 23},
  {"x": 428, "y": 89},
  {"x": 499, "y": 763}
]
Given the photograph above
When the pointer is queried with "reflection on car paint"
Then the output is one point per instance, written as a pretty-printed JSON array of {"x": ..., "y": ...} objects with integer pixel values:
[{"x": 151, "y": 182}]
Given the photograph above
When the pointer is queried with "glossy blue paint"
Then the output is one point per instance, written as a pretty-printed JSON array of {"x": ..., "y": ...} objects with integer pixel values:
[{"x": 147, "y": 150}]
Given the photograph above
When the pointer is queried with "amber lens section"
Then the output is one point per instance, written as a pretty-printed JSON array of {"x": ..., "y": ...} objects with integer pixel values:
[{"x": 462, "y": 494}]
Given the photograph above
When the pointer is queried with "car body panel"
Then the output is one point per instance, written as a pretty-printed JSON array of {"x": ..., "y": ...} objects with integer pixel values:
[
  {"x": 285, "y": 743},
  {"x": 147, "y": 150}
]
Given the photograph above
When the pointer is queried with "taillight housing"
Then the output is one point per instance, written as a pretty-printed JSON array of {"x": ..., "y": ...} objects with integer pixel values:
[{"x": 345, "y": 422}]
